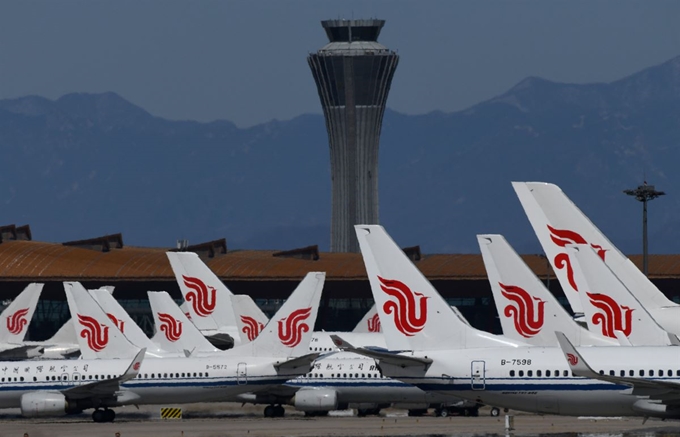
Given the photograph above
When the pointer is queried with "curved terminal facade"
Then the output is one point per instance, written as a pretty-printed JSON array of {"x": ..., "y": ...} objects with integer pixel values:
[{"x": 353, "y": 73}]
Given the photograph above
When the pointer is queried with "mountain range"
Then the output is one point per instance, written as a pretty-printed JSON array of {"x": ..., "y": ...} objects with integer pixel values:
[{"x": 87, "y": 165}]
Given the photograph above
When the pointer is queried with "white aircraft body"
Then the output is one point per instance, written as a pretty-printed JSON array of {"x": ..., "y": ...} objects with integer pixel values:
[
  {"x": 14, "y": 322},
  {"x": 443, "y": 355},
  {"x": 44, "y": 388},
  {"x": 347, "y": 380},
  {"x": 557, "y": 222}
]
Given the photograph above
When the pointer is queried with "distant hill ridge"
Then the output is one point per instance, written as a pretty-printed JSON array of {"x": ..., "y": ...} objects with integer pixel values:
[{"x": 92, "y": 164}]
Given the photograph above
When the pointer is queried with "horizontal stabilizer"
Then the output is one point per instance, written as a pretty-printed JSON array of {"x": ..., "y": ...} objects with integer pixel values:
[
  {"x": 580, "y": 367},
  {"x": 296, "y": 363},
  {"x": 386, "y": 357}
]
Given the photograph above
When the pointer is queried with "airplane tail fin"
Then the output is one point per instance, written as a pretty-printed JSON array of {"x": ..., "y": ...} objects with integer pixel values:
[
  {"x": 370, "y": 322},
  {"x": 609, "y": 306},
  {"x": 412, "y": 313},
  {"x": 15, "y": 319},
  {"x": 289, "y": 332},
  {"x": 174, "y": 331},
  {"x": 67, "y": 334},
  {"x": 527, "y": 310},
  {"x": 249, "y": 320},
  {"x": 122, "y": 320},
  {"x": 209, "y": 303},
  {"x": 97, "y": 336},
  {"x": 557, "y": 221}
]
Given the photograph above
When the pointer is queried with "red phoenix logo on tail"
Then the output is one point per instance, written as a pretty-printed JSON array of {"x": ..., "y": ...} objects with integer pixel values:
[
  {"x": 374, "y": 323},
  {"x": 404, "y": 309},
  {"x": 614, "y": 317},
  {"x": 573, "y": 359},
  {"x": 116, "y": 321},
  {"x": 202, "y": 297},
  {"x": 170, "y": 326},
  {"x": 251, "y": 328},
  {"x": 562, "y": 237},
  {"x": 290, "y": 334},
  {"x": 527, "y": 313},
  {"x": 17, "y": 321},
  {"x": 97, "y": 335}
]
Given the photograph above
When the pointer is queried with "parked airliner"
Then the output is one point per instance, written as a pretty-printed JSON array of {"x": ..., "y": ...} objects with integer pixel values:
[
  {"x": 119, "y": 377},
  {"x": 441, "y": 354}
]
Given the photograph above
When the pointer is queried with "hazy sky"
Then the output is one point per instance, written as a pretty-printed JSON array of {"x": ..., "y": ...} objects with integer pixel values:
[{"x": 245, "y": 61}]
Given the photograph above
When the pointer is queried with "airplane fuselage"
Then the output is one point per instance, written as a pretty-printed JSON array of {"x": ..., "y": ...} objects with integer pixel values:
[
  {"x": 167, "y": 380},
  {"x": 358, "y": 379},
  {"x": 538, "y": 380}
]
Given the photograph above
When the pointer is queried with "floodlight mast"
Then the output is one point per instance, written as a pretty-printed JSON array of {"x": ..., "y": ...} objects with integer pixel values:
[{"x": 644, "y": 193}]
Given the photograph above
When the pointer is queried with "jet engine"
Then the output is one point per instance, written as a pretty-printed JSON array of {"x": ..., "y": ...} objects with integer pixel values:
[
  {"x": 316, "y": 400},
  {"x": 43, "y": 403}
]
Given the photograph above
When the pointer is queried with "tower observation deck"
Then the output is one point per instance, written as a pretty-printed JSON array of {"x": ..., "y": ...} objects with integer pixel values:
[{"x": 353, "y": 74}]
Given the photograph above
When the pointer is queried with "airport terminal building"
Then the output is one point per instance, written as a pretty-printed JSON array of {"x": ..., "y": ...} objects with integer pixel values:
[{"x": 267, "y": 276}]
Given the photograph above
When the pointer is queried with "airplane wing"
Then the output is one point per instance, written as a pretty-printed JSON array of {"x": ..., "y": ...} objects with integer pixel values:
[
  {"x": 294, "y": 363},
  {"x": 106, "y": 387},
  {"x": 386, "y": 357},
  {"x": 664, "y": 391},
  {"x": 21, "y": 352}
]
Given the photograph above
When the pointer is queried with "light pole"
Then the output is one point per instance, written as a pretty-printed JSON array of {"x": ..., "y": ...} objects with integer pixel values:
[{"x": 644, "y": 193}]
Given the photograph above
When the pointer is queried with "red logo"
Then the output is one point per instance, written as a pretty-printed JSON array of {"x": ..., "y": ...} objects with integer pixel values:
[
  {"x": 170, "y": 326},
  {"x": 137, "y": 365},
  {"x": 251, "y": 328},
  {"x": 404, "y": 308},
  {"x": 614, "y": 317},
  {"x": 573, "y": 359},
  {"x": 562, "y": 237},
  {"x": 17, "y": 321},
  {"x": 374, "y": 323},
  {"x": 97, "y": 335},
  {"x": 116, "y": 321},
  {"x": 290, "y": 334},
  {"x": 202, "y": 297},
  {"x": 527, "y": 313}
]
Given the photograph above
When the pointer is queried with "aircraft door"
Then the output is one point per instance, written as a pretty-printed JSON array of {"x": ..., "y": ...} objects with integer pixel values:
[
  {"x": 478, "y": 375},
  {"x": 242, "y": 373}
]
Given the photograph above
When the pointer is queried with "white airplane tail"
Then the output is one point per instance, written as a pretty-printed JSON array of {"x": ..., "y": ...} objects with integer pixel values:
[
  {"x": 413, "y": 314},
  {"x": 526, "y": 309},
  {"x": 249, "y": 320},
  {"x": 122, "y": 320},
  {"x": 609, "y": 306},
  {"x": 15, "y": 319},
  {"x": 67, "y": 334},
  {"x": 97, "y": 336},
  {"x": 289, "y": 332},
  {"x": 209, "y": 303},
  {"x": 370, "y": 322},
  {"x": 174, "y": 331},
  {"x": 557, "y": 221}
]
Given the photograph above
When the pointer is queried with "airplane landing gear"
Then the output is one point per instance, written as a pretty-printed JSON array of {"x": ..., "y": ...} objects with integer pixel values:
[
  {"x": 101, "y": 416},
  {"x": 274, "y": 411}
]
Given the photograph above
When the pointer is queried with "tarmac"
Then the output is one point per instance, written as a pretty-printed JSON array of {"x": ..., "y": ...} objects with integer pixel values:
[{"x": 212, "y": 420}]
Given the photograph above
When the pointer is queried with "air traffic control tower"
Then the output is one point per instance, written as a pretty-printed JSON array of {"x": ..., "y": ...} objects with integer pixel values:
[{"x": 353, "y": 74}]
